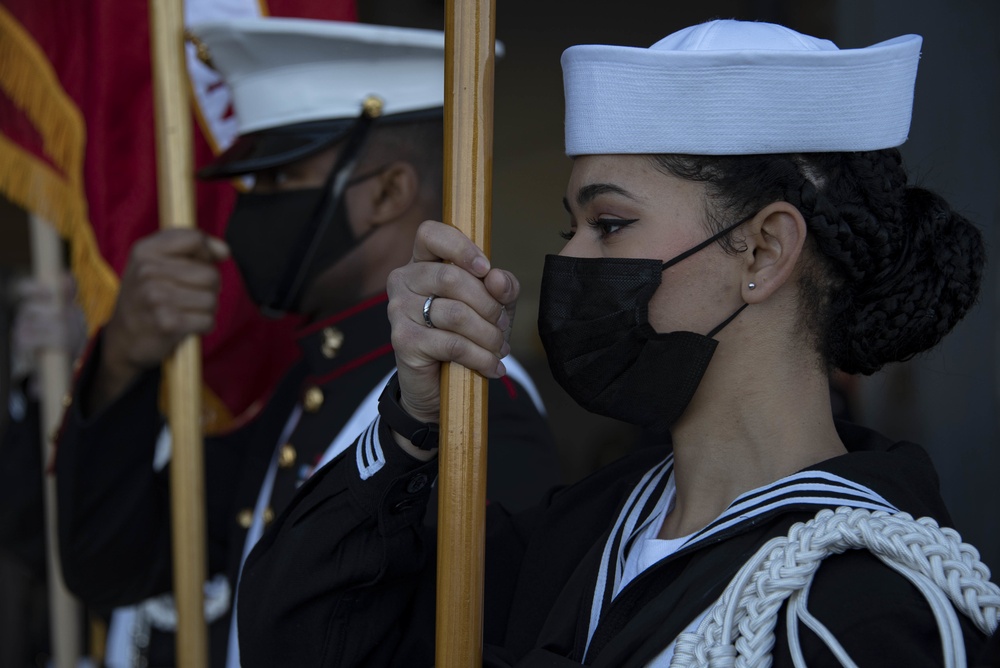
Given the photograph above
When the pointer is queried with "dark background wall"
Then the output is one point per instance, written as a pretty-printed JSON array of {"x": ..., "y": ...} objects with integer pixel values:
[{"x": 947, "y": 400}]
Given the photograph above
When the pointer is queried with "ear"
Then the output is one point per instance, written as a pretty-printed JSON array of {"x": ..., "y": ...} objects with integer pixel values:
[
  {"x": 393, "y": 192},
  {"x": 775, "y": 239}
]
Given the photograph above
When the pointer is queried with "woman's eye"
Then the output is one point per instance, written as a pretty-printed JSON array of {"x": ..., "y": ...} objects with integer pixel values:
[{"x": 608, "y": 226}]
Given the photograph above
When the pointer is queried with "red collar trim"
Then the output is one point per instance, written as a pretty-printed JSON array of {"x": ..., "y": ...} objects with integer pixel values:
[
  {"x": 314, "y": 327},
  {"x": 381, "y": 351}
]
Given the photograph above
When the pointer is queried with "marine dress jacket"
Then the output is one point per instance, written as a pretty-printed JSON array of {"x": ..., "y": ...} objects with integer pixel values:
[{"x": 113, "y": 486}]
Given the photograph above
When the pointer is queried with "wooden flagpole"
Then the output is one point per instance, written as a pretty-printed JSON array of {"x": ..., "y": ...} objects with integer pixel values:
[
  {"x": 175, "y": 164},
  {"x": 65, "y": 619},
  {"x": 468, "y": 172}
]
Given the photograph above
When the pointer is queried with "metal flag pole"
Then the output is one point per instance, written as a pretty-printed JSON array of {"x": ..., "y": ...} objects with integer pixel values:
[
  {"x": 176, "y": 208},
  {"x": 65, "y": 618},
  {"x": 468, "y": 171}
]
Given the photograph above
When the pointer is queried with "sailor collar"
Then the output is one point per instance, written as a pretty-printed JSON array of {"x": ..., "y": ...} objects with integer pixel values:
[
  {"x": 803, "y": 490},
  {"x": 345, "y": 341}
]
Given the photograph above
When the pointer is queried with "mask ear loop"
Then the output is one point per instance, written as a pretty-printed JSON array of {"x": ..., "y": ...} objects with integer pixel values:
[
  {"x": 718, "y": 328},
  {"x": 300, "y": 260},
  {"x": 704, "y": 244}
]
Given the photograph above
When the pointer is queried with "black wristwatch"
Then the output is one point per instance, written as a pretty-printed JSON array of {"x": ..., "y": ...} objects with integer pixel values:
[{"x": 424, "y": 435}]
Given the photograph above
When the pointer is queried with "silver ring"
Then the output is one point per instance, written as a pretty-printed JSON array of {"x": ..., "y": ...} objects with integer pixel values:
[{"x": 427, "y": 311}]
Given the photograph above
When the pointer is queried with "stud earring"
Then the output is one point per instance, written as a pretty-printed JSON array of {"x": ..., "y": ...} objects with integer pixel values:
[{"x": 751, "y": 285}]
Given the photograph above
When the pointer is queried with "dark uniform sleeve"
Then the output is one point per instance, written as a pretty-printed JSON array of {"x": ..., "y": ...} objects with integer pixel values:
[
  {"x": 345, "y": 575},
  {"x": 340, "y": 578},
  {"x": 114, "y": 513}
]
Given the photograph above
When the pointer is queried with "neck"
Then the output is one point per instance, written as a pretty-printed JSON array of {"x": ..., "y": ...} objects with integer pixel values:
[
  {"x": 770, "y": 428},
  {"x": 362, "y": 273}
]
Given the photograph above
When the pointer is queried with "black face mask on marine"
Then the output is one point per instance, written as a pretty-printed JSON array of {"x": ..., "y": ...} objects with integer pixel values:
[
  {"x": 270, "y": 239},
  {"x": 593, "y": 322}
]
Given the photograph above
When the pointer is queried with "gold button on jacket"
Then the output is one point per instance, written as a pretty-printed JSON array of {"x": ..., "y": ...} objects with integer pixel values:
[
  {"x": 287, "y": 456},
  {"x": 313, "y": 399},
  {"x": 244, "y": 518}
]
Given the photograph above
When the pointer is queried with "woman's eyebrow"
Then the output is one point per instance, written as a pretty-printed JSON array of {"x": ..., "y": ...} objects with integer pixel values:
[{"x": 589, "y": 192}]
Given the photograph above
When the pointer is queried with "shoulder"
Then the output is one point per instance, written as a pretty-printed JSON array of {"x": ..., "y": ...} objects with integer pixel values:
[
  {"x": 875, "y": 613},
  {"x": 901, "y": 472}
]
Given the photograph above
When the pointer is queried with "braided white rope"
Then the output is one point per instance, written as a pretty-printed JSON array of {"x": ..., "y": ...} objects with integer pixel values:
[{"x": 738, "y": 631}]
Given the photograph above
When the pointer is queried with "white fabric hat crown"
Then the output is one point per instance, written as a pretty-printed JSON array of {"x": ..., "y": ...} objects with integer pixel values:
[
  {"x": 288, "y": 71},
  {"x": 737, "y": 87}
]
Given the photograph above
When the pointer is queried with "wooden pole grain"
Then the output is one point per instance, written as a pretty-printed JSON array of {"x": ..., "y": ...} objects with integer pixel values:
[
  {"x": 175, "y": 164},
  {"x": 468, "y": 171},
  {"x": 65, "y": 614}
]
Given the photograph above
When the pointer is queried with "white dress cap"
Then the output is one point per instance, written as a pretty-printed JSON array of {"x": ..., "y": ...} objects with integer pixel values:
[
  {"x": 288, "y": 71},
  {"x": 738, "y": 87}
]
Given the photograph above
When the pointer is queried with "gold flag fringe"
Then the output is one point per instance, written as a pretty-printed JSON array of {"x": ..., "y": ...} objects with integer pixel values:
[
  {"x": 27, "y": 78},
  {"x": 35, "y": 187}
]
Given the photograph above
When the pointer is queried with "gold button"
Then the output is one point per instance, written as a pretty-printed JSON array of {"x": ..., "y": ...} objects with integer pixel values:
[
  {"x": 67, "y": 400},
  {"x": 245, "y": 518},
  {"x": 372, "y": 106},
  {"x": 333, "y": 339},
  {"x": 268, "y": 516},
  {"x": 313, "y": 399},
  {"x": 286, "y": 456}
]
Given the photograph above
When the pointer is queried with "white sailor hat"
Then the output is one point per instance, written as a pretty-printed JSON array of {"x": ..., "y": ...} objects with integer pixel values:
[
  {"x": 737, "y": 87},
  {"x": 299, "y": 85}
]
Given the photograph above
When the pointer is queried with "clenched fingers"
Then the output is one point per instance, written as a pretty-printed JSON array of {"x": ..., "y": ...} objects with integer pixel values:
[
  {"x": 424, "y": 348},
  {"x": 419, "y": 280},
  {"x": 196, "y": 274},
  {"x": 190, "y": 243},
  {"x": 439, "y": 242},
  {"x": 162, "y": 297}
]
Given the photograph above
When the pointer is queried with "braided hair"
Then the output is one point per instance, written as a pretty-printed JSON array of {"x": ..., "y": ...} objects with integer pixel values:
[{"x": 894, "y": 267}]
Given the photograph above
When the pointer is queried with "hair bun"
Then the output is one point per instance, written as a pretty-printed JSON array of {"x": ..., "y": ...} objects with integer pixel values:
[{"x": 906, "y": 307}]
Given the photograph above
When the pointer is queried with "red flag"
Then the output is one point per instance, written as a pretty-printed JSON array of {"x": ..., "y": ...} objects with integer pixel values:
[{"x": 77, "y": 148}]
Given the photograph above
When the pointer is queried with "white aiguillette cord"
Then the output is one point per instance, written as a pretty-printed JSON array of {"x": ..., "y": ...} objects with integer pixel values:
[{"x": 738, "y": 630}]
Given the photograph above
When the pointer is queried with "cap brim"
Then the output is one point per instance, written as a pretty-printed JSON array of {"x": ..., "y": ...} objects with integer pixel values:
[{"x": 266, "y": 149}]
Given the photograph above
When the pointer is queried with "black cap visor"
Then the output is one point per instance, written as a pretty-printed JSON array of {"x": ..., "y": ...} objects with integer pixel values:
[{"x": 274, "y": 147}]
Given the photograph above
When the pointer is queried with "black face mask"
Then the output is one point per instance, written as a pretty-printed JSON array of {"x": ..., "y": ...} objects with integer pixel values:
[
  {"x": 281, "y": 241},
  {"x": 594, "y": 324},
  {"x": 265, "y": 233}
]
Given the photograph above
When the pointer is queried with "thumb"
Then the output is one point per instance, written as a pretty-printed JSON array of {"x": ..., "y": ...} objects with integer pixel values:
[
  {"x": 218, "y": 248},
  {"x": 503, "y": 286}
]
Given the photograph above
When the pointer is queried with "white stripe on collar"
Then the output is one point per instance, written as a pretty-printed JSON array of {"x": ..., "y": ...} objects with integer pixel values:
[
  {"x": 815, "y": 488},
  {"x": 812, "y": 488},
  {"x": 633, "y": 507}
]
